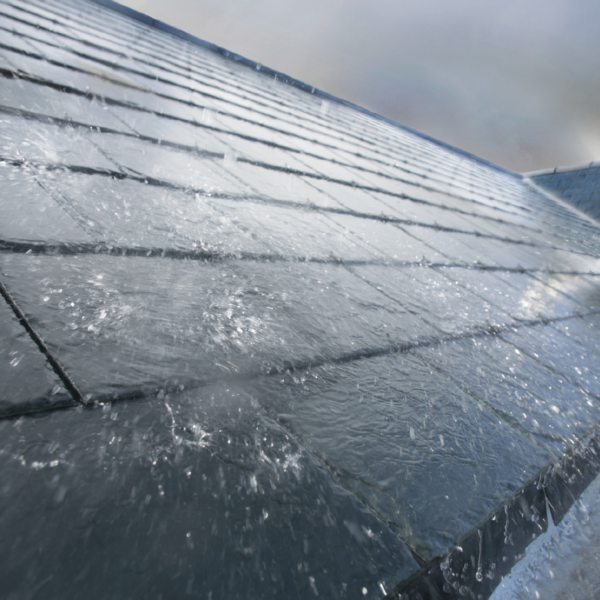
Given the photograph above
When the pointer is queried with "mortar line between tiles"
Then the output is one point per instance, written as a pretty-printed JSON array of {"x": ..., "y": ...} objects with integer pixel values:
[
  {"x": 67, "y": 89},
  {"x": 318, "y": 361},
  {"x": 335, "y": 472},
  {"x": 58, "y": 369},
  {"x": 294, "y": 205},
  {"x": 371, "y": 144},
  {"x": 103, "y": 249}
]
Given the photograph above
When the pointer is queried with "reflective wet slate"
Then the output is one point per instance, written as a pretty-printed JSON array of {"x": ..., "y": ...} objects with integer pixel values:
[
  {"x": 27, "y": 381},
  {"x": 299, "y": 232},
  {"x": 338, "y": 313},
  {"x": 346, "y": 196},
  {"x": 522, "y": 296},
  {"x": 456, "y": 248},
  {"x": 29, "y": 213},
  {"x": 564, "y": 356},
  {"x": 585, "y": 331},
  {"x": 440, "y": 302},
  {"x": 129, "y": 213},
  {"x": 280, "y": 186},
  {"x": 169, "y": 130},
  {"x": 121, "y": 325},
  {"x": 246, "y": 150},
  {"x": 393, "y": 242},
  {"x": 526, "y": 394},
  {"x": 199, "y": 494},
  {"x": 49, "y": 144},
  {"x": 29, "y": 97},
  {"x": 176, "y": 220},
  {"x": 584, "y": 290},
  {"x": 180, "y": 168},
  {"x": 414, "y": 453}
]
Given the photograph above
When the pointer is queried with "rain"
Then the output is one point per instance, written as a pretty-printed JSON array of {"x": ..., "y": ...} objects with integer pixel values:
[{"x": 258, "y": 342}]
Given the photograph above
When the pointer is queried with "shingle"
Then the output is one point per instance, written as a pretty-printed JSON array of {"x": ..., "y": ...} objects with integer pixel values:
[
  {"x": 349, "y": 345},
  {"x": 531, "y": 397},
  {"x": 192, "y": 483},
  {"x": 395, "y": 441},
  {"x": 27, "y": 381},
  {"x": 30, "y": 214}
]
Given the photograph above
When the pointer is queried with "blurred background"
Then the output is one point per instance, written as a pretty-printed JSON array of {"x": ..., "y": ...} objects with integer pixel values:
[{"x": 514, "y": 81}]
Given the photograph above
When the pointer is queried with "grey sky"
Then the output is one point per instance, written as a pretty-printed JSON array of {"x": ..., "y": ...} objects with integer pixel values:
[{"x": 514, "y": 81}]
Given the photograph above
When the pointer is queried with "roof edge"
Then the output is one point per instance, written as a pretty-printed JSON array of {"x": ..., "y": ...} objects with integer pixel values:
[
  {"x": 566, "y": 169},
  {"x": 552, "y": 490},
  {"x": 143, "y": 18},
  {"x": 550, "y": 194}
]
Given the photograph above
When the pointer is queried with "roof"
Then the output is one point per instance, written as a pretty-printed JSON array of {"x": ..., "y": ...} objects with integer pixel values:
[
  {"x": 257, "y": 342},
  {"x": 579, "y": 185}
]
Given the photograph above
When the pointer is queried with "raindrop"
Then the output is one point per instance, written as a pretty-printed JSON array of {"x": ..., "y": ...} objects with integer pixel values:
[{"x": 60, "y": 493}]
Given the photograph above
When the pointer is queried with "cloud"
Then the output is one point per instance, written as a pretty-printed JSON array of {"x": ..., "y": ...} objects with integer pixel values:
[{"x": 513, "y": 81}]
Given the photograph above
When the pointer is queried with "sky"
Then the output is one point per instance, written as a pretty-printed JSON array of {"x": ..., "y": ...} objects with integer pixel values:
[{"x": 516, "y": 82}]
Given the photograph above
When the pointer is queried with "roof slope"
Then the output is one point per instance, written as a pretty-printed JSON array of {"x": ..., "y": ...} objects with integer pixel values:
[
  {"x": 579, "y": 185},
  {"x": 297, "y": 349}
]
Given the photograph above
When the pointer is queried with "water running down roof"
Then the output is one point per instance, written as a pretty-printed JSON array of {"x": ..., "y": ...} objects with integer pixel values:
[{"x": 297, "y": 349}]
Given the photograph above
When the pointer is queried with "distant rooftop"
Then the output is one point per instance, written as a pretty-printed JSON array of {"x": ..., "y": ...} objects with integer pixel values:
[{"x": 579, "y": 185}]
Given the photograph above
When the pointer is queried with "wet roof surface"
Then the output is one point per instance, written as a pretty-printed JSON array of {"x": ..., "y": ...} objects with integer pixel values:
[
  {"x": 298, "y": 350},
  {"x": 579, "y": 186}
]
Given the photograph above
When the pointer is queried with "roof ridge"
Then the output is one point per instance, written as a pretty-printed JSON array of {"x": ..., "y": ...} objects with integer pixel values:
[
  {"x": 162, "y": 26},
  {"x": 565, "y": 169}
]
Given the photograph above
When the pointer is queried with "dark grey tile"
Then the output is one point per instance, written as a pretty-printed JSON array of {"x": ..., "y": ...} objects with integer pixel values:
[
  {"x": 333, "y": 309},
  {"x": 121, "y": 325},
  {"x": 199, "y": 494},
  {"x": 562, "y": 354},
  {"x": 129, "y": 213},
  {"x": 422, "y": 454},
  {"x": 27, "y": 381},
  {"x": 523, "y": 392},
  {"x": 29, "y": 213},
  {"x": 444, "y": 304}
]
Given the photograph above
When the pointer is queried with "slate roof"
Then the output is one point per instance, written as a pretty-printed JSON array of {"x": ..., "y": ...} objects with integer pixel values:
[
  {"x": 578, "y": 185},
  {"x": 258, "y": 342}
]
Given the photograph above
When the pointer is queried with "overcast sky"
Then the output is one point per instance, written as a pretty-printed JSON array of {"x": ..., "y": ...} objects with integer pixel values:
[{"x": 514, "y": 81}]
